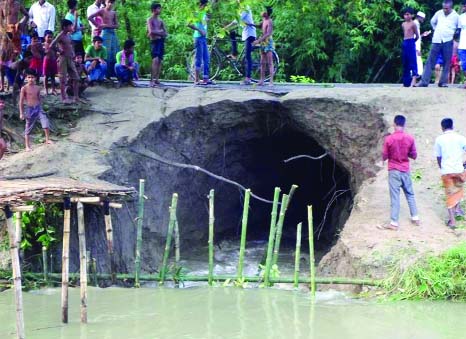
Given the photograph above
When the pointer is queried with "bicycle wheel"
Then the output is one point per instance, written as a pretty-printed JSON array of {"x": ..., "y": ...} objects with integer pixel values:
[
  {"x": 214, "y": 66},
  {"x": 256, "y": 64}
]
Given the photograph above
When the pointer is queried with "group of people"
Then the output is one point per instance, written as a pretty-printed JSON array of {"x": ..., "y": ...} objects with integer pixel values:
[
  {"x": 28, "y": 42},
  {"x": 449, "y": 149},
  {"x": 448, "y": 51}
]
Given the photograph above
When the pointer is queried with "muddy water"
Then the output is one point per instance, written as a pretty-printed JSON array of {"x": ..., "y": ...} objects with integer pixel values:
[{"x": 220, "y": 312}]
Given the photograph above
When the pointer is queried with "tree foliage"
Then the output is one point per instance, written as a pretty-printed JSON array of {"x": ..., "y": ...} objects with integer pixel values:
[{"x": 324, "y": 40}]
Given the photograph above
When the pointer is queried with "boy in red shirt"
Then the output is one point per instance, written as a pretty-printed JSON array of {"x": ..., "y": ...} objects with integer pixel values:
[{"x": 397, "y": 149}]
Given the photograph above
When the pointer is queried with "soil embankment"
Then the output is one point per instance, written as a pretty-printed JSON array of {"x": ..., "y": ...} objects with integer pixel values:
[{"x": 220, "y": 130}]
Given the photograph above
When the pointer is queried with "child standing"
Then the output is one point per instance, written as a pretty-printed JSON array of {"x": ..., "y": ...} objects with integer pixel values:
[
  {"x": 49, "y": 68},
  {"x": 66, "y": 64},
  {"x": 30, "y": 95},
  {"x": 37, "y": 51},
  {"x": 267, "y": 47},
  {"x": 126, "y": 68},
  {"x": 83, "y": 77},
  {"x": 408, "y": 52},
  {"x": 157, "y": 34},
  {"x": 2, "y": 142}
]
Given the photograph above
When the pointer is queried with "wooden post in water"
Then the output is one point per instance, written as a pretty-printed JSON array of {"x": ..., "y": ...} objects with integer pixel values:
[
  {"x": 44, "y": 264},
  {"x": 16, "y": 268},
  {"x": 94, "y": 272},
  {"x": 137, "y": 262},
  {"x": 244, "y": 229},
  {"x": 297, "y": 258},
  {"x": 18, "y": 229},
  {"x": 168, "y": 242},
  {"x": 109, "y": 233},
  {"x": 83, "y": 261},
  {"x": 281, "y": 220},
  {"x": 211, "y": 236},
  {"x": 65, "y": 260},
  {"x": 177, "y": 244},
  {"x": 312, "y": 267},
  {"x": 273, "y": 224}
]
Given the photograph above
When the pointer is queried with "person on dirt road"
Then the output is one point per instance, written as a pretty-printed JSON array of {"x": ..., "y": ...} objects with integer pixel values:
[
  {"x": 397, "y": 149},
  {"x": 449, "y": 150},
  {"x": 445, "y": 24}
]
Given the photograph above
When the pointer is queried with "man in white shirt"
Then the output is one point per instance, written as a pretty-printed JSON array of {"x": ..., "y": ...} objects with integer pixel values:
[
  {"x": 96, "y": 6},
  {"x": 42, "y": 16},
  {"x": 449, "y": 150},
  {"x": 445, "y": 24},
  {"x": 462, "y": 43},
  {"x": 420, "y": 17}
]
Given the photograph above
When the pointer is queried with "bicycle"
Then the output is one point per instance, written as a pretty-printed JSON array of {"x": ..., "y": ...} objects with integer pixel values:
[{"x": 219, "y": 60}]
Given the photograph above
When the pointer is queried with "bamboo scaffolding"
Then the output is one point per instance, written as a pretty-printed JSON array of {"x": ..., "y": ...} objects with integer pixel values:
[
  {"x": 44, "y": 264},
  {"x": 278, "y": 235},
  {"x": 65, "y": 260},
  {"x": 16, "y": 267},
  {"x": 137, "y": 261},
  {"x": 211, "y": 236},
  {"x": 297, "y": 258},
  {"x": 273, "y": 223},
  {"x": 244, "y": 229},
  {"x": 83, "y": 261},
  {"x": 168, "y": 242},
  {"x": 220, "y": 278},
  {"x": 312, "y": 267},
  {"x": 109, "y": 234}
]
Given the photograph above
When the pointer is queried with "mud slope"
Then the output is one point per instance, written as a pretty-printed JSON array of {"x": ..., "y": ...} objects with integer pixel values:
[{"x": 228, "y": 132}]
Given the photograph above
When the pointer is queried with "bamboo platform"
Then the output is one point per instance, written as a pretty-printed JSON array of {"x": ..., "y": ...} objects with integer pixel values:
[
  {"x": 51, "y": 189},
  {"x": 17, "y": 192}
]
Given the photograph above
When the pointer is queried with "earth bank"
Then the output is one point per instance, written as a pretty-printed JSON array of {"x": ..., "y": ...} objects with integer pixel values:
[{"x": 245, "y": 136}]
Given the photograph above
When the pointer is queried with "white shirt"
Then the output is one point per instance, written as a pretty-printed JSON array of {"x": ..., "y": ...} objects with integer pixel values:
[
  {"x": 248, "y": 31},
  {"x": 451, "y": 147},
  {"x": 91, "y": 10},
  {"x": 444, "y": 26},
  {"x": 418, "y": 41},
  {"x": 43, "y": 16},
  {"x": 462, "y": 25}
]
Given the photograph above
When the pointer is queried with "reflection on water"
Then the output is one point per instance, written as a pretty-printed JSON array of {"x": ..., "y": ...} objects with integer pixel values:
[{"x": 219, "y": 312}]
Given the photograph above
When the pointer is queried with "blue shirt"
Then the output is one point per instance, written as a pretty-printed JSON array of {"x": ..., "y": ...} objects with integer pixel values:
[{"x": 78, "y": 35}]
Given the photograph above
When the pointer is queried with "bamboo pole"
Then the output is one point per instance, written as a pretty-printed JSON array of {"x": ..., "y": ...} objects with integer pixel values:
[
  {"x": 18, "y": 229},
  {"x": 211, "y": 236},
  {"x": 177, "y": 244},
  {"x": 297, "y": 255},
  {"x": 278, "y": 236},
  {"x": 109, "y": 233},
  {"x": 65, "y": 260},
  {"x": 200, "y": 278},
  {"x": 273, "y": 223},
  {"x": 16, "y": 268},
  {"x": 137, "y": 261},
  {"x": 244, "y": 229},
  {"x": 311, "y": 252},
  {"x": 94, "y": 272},
  {"x": 83, "y": 261},
  {"x": 168, "y": 242},
  {"x": 44, "y": 263}
]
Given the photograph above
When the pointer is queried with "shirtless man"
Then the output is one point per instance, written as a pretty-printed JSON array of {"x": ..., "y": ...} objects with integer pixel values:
[
  {"x": 408, "y": 53},
  {"x": 10, "y": 22},
  {"x": 266, "y": 44},
  {"x": 2, "y": 142},
  {"x": 66, "y": 66},
  {"x": 30, "y": 95},
  {"x": 37, "y": 51},
  {"x": 108, "y": 26},
  {"x": 157, "y": 33}
]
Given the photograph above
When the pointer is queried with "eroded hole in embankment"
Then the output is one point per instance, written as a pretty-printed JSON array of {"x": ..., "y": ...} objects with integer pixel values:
[{"x": 248, "y": 143}]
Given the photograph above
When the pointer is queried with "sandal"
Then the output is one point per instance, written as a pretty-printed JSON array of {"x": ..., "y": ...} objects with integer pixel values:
[{"x": 389, "y": 227}]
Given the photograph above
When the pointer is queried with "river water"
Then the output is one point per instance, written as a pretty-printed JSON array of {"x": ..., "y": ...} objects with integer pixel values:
[{"x": 228, "y": 312}]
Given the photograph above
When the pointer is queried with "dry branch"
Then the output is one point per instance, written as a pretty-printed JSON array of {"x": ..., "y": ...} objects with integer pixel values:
[{"x": 156, "y": 157}]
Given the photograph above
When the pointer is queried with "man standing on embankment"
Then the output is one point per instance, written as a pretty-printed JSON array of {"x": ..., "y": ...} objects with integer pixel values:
[
  {"x": 397, "y": 149},
  {"x": 449, "y": 150}
]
